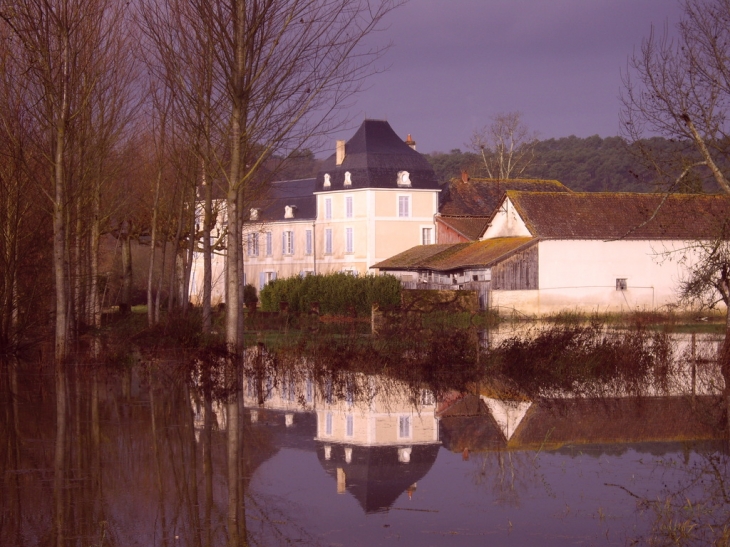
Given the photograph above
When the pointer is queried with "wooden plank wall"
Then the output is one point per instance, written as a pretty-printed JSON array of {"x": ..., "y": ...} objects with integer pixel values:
[{"x": 518, "y": 272}]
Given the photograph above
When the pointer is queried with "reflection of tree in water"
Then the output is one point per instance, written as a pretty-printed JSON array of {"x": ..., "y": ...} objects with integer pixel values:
[
  {"x": 137, "y": 463},
  {"x": 507, "y": 474},
  {"x": 130, "y": 464},
  {"x": 693, "y": 509}
]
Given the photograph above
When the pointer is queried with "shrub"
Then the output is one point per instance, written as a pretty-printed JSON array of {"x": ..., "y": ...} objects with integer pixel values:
[
  {"x": 337, "y": 293},
  {"x": 249, "y": 295}
]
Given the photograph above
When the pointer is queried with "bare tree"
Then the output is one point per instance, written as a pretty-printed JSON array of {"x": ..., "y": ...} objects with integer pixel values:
[
  {"x": 276, "y": 75},
  {"x": 506, "y": 146},
  {"x": 679, "y": 88},
  {"x": 65, "y": 50}
]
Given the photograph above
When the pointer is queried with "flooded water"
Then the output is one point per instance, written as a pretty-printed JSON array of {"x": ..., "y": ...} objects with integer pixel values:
[{"x": 294, "y": 448}]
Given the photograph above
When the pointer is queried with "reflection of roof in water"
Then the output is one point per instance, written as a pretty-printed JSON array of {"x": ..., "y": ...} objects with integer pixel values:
[
  {"x": 374, "y": 475},
  {"x": 555, "y": 423}
]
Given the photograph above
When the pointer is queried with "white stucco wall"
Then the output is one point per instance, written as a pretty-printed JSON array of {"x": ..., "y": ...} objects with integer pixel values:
[
  {"x": 581, "y": 275},
  {"x": 507, "y": 222}
]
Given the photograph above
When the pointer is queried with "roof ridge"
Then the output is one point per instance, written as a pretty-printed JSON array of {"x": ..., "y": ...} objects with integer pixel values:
[{"x": 638, "y": 195}]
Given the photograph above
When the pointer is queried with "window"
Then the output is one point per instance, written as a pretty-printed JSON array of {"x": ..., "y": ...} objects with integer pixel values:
[
  {"x": 288, "y": 243},
  {"x": 404, "y": 178},
  {"x": 349, "y": 241},
  {"x": 404, "y": 206},
  {"x": 621, "y": 284},
  {"x": 265, "y": 278},
  {"x": 350, "y": 425},
  {"x": 348, "y": 206},
  {"x": 288, "y": 388},
  {"x": 309, "y": 390},
  {"x": 328, "y": 424},
  {"x": 269, "y": 244},
  {"x": 327, "y": 207},
  {"x": 308, "y": 243},
  {"x": 348, "y": 178},
  {"x": 253, "y": 244},
  {"x": 426, "y": 236},
  {"x": 328, "y": 393},
  {"x": 328, "y": 241},
  {"x": 404, "y": 427},
  {"x": 269, "y": 388}
]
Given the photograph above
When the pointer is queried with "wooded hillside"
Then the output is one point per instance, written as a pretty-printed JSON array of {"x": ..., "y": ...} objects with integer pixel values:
[{"x": 591, "y": 164}]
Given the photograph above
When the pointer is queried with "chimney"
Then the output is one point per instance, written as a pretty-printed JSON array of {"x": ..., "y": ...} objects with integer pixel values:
[
  {"x": 410, "y": 142},
  {"x": 339, "y": 152},
  {"x": 464, "y": 175}
]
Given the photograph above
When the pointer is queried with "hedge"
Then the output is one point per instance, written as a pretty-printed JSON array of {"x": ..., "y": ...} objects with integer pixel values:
[{"x": 337, "y": 293}]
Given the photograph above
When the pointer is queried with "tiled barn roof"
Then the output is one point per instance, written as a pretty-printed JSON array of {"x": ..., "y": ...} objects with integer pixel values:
[
  {"x": 471, "y": 227},
  {"x": 593, "y": 215},
  {"x": 456, "y": 256},
  {"x": 482, "y": 196}
]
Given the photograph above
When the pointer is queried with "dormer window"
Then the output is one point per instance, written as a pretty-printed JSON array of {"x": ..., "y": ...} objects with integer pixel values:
[
  {"x": 348, "y": 178},
  {"x": 404, "y": 178},
  {"x": 289, "y": 211},
  {"x": 327, "y": 182},
  {"x": 254, "y": 214}
]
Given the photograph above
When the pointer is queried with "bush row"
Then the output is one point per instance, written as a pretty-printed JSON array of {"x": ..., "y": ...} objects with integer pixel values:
[{"x": 337, "y": 293}]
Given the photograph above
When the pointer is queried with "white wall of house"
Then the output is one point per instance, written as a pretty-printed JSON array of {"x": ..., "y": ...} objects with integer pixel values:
[
  {"x": 507, "y": 222},
  {"x": 582, "y": 275}
]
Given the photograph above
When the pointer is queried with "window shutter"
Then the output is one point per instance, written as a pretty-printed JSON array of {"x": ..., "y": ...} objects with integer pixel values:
[{"x": 262, "y": 280}]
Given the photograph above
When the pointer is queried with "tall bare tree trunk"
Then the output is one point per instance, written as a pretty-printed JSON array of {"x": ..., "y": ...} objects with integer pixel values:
[
  {"x": 151, "y": 317},
  {"x": 234, "y": 180},
  {"x": 207, "y": 251},
  {"x": 94, "y": 237},
  {"x": 125, "y": 236},
  {"x": 176, "y": 247},
  {"x": 158, "y": 295},
  {"x": 185, "y": 289}
]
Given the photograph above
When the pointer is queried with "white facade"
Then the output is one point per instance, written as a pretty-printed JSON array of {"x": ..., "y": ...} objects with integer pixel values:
[
  {"x": 584, "y": 275},
  {"x": 594, "y": 275}
]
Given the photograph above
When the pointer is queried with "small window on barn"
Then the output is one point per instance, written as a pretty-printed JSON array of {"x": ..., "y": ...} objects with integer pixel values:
[{"x": 621, "y": 284}]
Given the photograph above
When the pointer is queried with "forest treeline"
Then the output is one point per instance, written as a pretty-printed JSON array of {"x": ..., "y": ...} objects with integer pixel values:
[
  {"x": 583, "y": 164},
  {"x": 591, "y": 164}
]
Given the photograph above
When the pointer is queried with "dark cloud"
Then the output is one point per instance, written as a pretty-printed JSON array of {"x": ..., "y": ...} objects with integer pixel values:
[{"x": 455, "y": 63}]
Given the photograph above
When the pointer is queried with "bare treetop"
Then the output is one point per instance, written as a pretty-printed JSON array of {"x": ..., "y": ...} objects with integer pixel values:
[{"x": 506, "y": 146}]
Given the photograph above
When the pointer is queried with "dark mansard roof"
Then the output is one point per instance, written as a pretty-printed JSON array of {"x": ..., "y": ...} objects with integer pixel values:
[
  {"x": 293, "y": 193},
  {"x": 374, "y": 156}
]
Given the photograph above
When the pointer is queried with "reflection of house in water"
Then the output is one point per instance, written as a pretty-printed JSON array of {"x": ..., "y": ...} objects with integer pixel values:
[
  {"x": 484, "y": 424},
  {"x": 380, "y": 444},
  {"x": 374, "y": 436}
]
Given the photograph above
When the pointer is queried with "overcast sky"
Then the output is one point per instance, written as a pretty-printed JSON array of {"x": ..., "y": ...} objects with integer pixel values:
[{"x": 455, "y": 63}]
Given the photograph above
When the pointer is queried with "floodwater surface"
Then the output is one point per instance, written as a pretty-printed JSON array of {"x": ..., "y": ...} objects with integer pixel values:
[{"x": 300, "y": 451}]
